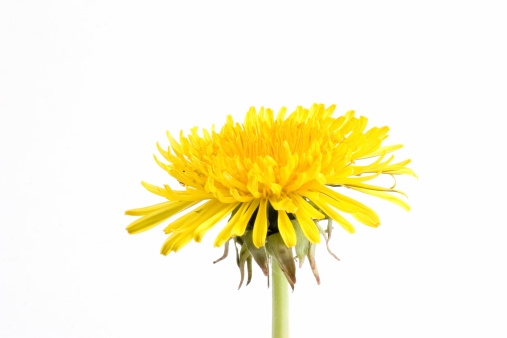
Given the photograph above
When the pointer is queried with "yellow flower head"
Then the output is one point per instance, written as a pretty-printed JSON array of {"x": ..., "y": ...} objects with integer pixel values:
[{"x": 273, "y": 174}]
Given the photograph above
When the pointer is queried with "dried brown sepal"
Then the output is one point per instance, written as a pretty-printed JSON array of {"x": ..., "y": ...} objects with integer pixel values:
[
  {"x": 313, "y": 263},
  {"x": 329, "y": 230},
  {"x": 326, "y": 235}
]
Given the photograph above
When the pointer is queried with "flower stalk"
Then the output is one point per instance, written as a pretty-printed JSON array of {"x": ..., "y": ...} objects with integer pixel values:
[
  {"x": 275, "y": 177},
  {"x": 280, "y": 310}
]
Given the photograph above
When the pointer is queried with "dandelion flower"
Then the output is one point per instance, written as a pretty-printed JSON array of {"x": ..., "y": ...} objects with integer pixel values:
[{"x": 275, "y": 176}]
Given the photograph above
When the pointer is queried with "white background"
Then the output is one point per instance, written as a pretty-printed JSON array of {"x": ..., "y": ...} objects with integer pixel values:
[{"x": 87, "y": 88}]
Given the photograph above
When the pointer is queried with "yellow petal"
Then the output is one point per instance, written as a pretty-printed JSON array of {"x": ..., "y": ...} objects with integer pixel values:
[
  {"x": 360, "y": 211},
  {"x": 174, "y": 144},
  {"x": 201, "y": 217},
  {"x": 283, "y": 203},
  {"x": 181, "y": 223},
  {"x": 354, "y": 180},
  {"x": 188, "y": 195},
  {"x": 373, "y": 187},
  {"x": 341, "y": 202},
  {"x": 385, "y": 149},
  {"x": 334, "y": 215},
  {"x": 226, "y": 232},
  {"x": 386, "y": 196},
  {"x": 155, "y": 218},
  {"x": 402, "y": 171},
  {"x": 307, "y": 207},
  {"x": 239, "y": 228},
  {"x": 281, "y": 115},
  {"x": 176, "y": 241},
  {"x": 154, "y": 189},
  {"x": 286, "y": 229},
  {"x": 150, "y": 209},
  {"x": 366, "y": 219},
  {"x": 308, "y": 226},
  {"x": 217, "y": 217},
  {"x": 260, "y": 228},
  {"x": 372, "y": 167}
]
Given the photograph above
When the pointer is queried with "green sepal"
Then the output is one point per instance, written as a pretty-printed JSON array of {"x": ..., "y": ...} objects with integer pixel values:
[
  {"x": 243, "y": 256},
  {"x": 226, "y": 252},
  {"x": 249, "y": 269},
  {"x": 283, "y": 255},
  {"x": 302, "y": 245},
  {"x": 237, "y": 240},
  {"x": 258, "y": 254}
]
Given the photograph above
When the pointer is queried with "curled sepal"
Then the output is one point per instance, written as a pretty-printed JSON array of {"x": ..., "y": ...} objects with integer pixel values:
[
  {"x": 237, "y": 240},
  {"x": 302, "y": 244},
  {"x": 329, "y": 230},
  {"x": 283, "y": 255},
  {"x": 258, "y": 254},
  {"x": 327, "y": 236},
  {"x": 249, "y": 269},
  {"x": 243, "y": 256},
  {"x": 313, "y": 263},
  {"x": 226, "y": 252}
]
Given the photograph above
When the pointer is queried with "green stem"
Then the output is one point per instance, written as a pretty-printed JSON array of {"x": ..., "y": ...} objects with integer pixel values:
[{"x": 280, "y": 311}]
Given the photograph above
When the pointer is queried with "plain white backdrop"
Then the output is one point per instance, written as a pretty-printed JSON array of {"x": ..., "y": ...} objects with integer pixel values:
[{"x": 87, "y": 88}]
